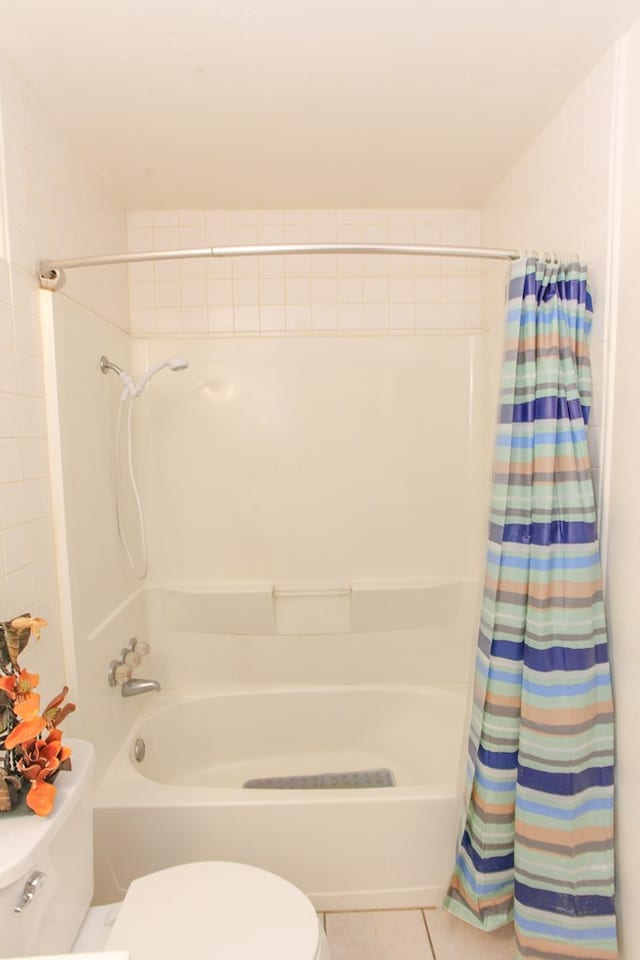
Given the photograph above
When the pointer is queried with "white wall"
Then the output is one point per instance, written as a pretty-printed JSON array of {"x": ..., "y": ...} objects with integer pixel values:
[
  {"x": 623, "y": 568},
  {"x": 558, "y": 197},
  {"x": 51, "y": 202}
]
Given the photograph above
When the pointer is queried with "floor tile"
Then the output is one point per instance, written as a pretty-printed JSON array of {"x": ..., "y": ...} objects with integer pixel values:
[
  {"x": 453, "y": 939},
  {"x": 378, "y": 935}
]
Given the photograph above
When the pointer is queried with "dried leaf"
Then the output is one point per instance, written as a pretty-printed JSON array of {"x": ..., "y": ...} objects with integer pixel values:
[
  {"x": 13, "y": 640},
  {"x": 33, "y": 624}
]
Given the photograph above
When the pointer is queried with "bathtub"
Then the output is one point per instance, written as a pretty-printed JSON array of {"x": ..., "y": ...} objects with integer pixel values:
[{"x": 346, "y": 848}]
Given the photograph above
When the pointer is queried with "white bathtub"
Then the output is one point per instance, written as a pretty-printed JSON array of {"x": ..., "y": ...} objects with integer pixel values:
[{"x": 362, "y": 848}]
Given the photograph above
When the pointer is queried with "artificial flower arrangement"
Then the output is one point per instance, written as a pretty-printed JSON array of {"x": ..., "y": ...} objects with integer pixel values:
[{"x": 31, "y": 750}]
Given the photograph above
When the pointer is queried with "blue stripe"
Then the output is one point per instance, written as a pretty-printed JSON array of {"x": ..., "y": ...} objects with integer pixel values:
[
  {"x": 531, "y": 286},
  {"x": 501, "y": 786},
  {"x": 564, "y": 658},
  {"x": 587, "y": 934},
  {"x": 544, "y": 534},
  {"x": 497, "y": 760},
  {"x": 486, "y": 864},
  {"x": 544, "y": 563},
  {"x": 560, "y": 316},
  {"x": 507, "y": 649},
  {"x": 565, "y": 784},
  {"x": 504, "y": 676},
  {"x": 544, "y": 408},
  {"x": 478, "y": 887},
  {"x": 551, "y": 658},
  {"x": 568, "y": 904},
  {"x": 579, "y": 435},
  {"x": 544, "y": 810}
]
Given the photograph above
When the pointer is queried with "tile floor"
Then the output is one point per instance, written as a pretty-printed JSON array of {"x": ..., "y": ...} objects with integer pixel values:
[{"x": 413, "y": 935}]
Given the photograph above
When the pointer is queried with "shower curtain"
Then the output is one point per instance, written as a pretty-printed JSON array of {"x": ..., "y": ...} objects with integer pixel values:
[{"x": 536, "y": 845}]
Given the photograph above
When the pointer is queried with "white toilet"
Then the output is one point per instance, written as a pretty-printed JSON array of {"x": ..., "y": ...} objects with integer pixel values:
[{"x": 211, "y": 909}]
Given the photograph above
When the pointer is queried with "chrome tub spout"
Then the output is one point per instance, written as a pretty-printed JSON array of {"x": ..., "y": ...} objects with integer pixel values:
[{"x": 136, "y": 686}]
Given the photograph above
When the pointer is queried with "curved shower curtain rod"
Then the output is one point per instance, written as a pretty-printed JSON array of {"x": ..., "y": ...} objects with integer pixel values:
[{"x": 52, "y": 277}]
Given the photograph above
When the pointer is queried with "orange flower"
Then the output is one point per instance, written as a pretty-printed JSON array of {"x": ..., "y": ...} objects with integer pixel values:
[
  {"x": 41, "y": 797},
  {"x": 65, "y": 752},
  {"x": 40, "y": 759},
  {"x": 53, "y": 714},
  {"x": 24, "y": 732},
  {"x": 20, "y": 689}
]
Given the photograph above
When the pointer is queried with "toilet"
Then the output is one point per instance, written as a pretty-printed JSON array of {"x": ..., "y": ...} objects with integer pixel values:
[{"x": 209, "y": 909}]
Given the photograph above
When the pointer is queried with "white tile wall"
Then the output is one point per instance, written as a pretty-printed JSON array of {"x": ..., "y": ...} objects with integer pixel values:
[
  {"x": 51, "y": 203},
  {"x": 301, "y": 294},
  {"x": 557, "y": 197}
]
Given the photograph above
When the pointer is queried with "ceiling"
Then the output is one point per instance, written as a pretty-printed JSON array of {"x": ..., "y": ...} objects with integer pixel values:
[{"x": 306, "y": 103}]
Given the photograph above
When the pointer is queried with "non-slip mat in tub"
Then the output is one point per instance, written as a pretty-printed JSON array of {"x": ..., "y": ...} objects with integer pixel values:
[{"x": 347, "y": 780}]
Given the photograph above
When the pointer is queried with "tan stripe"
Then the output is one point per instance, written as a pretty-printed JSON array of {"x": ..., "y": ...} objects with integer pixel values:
[
  {"x": 543, "y": 591},
  {"x": 494, "y": 809},
  {"x": 564, "y": 838},
  {"x": 512, "y": 702},
  {"x": 570, "y": 716},
  {"x": 548, "y": 465},
  {"x": 547, "y": 339}
]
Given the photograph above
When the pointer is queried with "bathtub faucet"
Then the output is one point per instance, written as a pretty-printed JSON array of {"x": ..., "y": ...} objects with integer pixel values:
[{"x": 136, "y": 686}]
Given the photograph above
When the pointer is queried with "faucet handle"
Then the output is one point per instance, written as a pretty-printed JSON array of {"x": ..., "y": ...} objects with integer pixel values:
[
  {"x": 131, "y": 658},
  {"x": 118, "y": 673},
  {"x": 139, "y": 646},
  {"x": 122, "y": 673}
]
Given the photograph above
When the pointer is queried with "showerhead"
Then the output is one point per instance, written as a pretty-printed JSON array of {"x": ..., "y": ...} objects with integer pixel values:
[
  {"x": 173, "y": 363},
  {"x": 178, "y": 363},
  {"x": 135, "y": 389}
]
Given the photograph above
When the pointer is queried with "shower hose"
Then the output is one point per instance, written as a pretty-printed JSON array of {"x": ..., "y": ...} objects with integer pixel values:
[{"x": 140, "y": 570}]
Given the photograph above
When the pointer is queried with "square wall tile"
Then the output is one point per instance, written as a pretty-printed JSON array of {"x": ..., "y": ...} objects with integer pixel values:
[
  {"x": 324, "y": 316},
  {"x": 176, "y": 293}
]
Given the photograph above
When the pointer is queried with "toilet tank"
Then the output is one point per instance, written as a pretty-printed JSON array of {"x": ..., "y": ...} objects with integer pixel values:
[{"x": 60, "y": 847}]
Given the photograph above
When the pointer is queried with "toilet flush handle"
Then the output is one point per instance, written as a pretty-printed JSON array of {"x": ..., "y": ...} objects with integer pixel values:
[{"x": 31, "y": 887}]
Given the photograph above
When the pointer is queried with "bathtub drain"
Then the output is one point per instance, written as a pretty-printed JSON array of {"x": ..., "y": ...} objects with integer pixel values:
[
  {"x": 139, "y": 749},
  {"x": 347, "y": 780}
]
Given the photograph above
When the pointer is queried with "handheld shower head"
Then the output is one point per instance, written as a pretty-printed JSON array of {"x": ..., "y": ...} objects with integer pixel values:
[
  {"x": 178, "y": 363},
  {"x": 135, "y": 389},
  {"x": 173, "y": 363}
]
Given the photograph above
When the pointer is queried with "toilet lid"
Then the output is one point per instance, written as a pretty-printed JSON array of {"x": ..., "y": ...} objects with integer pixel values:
[{"x": 216, "y": 909}]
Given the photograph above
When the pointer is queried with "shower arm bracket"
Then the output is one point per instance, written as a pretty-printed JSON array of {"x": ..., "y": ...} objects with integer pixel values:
[{"x": 52, "y": 279}]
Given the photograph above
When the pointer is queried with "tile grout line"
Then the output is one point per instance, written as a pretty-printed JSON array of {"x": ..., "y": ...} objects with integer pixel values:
[{"x": 426, "y": 926}]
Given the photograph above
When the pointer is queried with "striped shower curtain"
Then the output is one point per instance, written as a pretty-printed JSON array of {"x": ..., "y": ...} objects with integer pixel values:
[{"x": 536, "y": 844}]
